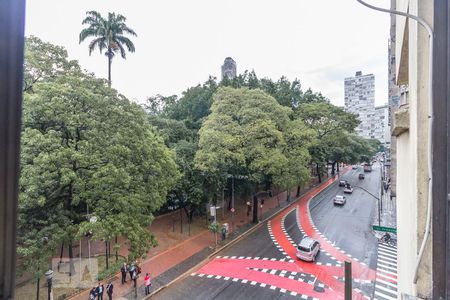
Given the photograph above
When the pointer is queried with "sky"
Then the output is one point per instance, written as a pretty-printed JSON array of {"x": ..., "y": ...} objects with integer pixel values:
[{"x": 180, "y": 43}]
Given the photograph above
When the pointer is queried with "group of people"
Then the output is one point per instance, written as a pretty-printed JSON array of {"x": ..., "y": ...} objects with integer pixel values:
[
  {"x": 97, "y": 292},
  {"x": 134, "y": 270}
]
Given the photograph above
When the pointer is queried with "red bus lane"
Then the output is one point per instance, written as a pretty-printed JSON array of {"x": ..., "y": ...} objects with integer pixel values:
[{"x": 265, "y": 272}]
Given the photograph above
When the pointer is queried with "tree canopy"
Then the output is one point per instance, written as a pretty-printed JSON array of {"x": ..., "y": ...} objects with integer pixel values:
[
  {"x": 87, "y": 151},
  {"x": 249, "y": 132}
]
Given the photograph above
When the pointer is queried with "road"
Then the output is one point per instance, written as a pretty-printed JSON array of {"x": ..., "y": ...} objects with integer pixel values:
[{"x": 263, "y": 264}]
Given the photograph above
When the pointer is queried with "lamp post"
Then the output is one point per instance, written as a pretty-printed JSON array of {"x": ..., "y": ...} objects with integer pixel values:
[
  {"x": 49, "y": 276},
  {"x": 379, "y": 200}
]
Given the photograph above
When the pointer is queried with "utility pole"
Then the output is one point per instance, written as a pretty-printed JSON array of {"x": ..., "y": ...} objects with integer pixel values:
[
  {"x": 232, "y": 203},
  {"x": 348, "y": 280}
]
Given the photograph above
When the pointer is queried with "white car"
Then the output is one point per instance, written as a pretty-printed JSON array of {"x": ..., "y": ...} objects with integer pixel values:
[
  {"x": 339, "y": 200},
  {"x": 348, "y": 190},
  {"x": 307, "y": 249}
]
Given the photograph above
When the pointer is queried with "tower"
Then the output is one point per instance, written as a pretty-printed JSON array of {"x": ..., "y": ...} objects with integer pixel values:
[{"x": 229, "y": 68}]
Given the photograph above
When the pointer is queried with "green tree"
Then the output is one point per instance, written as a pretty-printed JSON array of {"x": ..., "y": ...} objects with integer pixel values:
[
  {"x": 249, "y": 131},
  {"x": 85, "y": 147},
  {"x": 108, "y": 34},
  {"x": 329, "y": 122},
  {"x": 44, "y": 62},
  {"x": 298, "y": 139}
]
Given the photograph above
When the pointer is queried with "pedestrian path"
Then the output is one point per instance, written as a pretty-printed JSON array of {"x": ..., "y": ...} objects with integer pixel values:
[{"x": 386, "y": 282}]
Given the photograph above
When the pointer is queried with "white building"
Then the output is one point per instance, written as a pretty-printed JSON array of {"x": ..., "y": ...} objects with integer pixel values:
[
  {"x": 360, "y": 100},
  {"x": 380, "y": 129}
]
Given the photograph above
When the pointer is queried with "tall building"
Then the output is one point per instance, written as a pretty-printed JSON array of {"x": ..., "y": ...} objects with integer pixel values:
[
  {"x": 379, "y": 126},
  {"x": 394, "y": 102},
  {"x": 360, "y": 100},
  {"x": 229, "y": 68}
]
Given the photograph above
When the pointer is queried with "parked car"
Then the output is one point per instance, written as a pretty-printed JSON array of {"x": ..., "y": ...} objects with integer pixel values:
[
  {"x": 342, "y": 182},
  {"x": 339, "y": 200},
  {"x": 361, "y": 176},
  {"x": 307, "y": 249},
  {"x": 348, "y": 189}
]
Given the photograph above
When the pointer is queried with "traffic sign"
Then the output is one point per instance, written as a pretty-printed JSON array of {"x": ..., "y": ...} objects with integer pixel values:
[{"x": 386, "y": 229}]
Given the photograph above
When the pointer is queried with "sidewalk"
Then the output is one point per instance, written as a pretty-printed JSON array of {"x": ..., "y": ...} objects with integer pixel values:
[{"x": 178, "y": 252}]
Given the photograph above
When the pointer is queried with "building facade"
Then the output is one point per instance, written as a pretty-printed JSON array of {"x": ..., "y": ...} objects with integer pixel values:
[
  {"x": 229, "y": 68},
  {"x": 379, "y": 125},
  {"x": 410, "y": 131},
  {"x": 360, "y": 100}
]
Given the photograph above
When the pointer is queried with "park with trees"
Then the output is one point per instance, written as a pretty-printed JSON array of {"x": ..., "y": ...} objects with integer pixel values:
[{"x": 94, "y": 163}]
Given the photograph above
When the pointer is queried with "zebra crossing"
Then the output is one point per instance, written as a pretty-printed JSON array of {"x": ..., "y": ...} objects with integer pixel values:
[{"x": 386, "y": 281}]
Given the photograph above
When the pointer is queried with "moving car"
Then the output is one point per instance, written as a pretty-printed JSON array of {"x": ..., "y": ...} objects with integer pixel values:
[
  {"x": 339, "y": 200},
  {"x": 355, "y": 167},
  {"x": 361, "y": 176},
  {"x": 348, "y": 189},
  {"x": 307, "y": 249},
  {"x": 342, "y": 182},
  {"x": 367, "y": 168}
]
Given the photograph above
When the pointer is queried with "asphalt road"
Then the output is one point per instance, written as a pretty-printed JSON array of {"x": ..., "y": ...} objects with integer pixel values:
[
  {"x": 263, "y": 264},
  {"x": 349, "y": 226}
]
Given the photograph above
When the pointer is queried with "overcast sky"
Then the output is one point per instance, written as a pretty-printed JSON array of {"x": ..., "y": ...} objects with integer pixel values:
[{"x": 180, "y": 43}]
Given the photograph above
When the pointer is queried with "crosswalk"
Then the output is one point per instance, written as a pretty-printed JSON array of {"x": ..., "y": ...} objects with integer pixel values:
[{"x": 386, "y": 282}]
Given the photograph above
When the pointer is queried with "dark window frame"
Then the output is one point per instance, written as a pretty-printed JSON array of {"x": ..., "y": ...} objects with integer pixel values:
[
  {"x": 441, "y": 152},
  {"x": 12, "y": 21}
]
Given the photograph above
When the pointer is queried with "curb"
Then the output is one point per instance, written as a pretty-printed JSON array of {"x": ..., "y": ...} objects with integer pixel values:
[{"x": 231, "y": 243}]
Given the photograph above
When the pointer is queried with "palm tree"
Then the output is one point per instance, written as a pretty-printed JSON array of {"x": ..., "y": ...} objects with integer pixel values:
[{"x": 108, "y": 35}]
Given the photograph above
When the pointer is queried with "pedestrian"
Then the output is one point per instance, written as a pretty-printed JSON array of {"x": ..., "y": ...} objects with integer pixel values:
[
  {"x": 148, "y": 283},
  {"x": 134, "y": 277},
  {"x": 99, "y": 291},
  {"x": 131, "y": 270},
  {"x": 92, "y": 294},
  {"x": 124, "y": 270},
  {"x": 109, "y": 290}
]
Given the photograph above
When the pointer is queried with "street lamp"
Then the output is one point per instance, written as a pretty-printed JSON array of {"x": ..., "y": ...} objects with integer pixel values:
[
  {"x": 49, "y": 276},
  {"x": 379, "y": 202}
]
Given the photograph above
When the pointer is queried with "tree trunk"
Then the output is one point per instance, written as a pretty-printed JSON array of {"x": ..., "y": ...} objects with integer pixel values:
[
  {"x": 38, "y": 286},
  {"x": 318, "y": 173},
  {"x": 338, "y": 167},
  {"x": 255, "y": 208},
  {"x": 61, "y": 254},
  {"x": 298, "y": 191},
  {"x": 72, "y": 267},
  {"x": 109, "y": 66},
  {"x": 107, "y": 259},
  {"x": 333, "y": 166},
  {"x": 117, "y": 256}
]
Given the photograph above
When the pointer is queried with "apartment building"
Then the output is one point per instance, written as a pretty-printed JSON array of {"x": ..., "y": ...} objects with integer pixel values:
[
  {"x": 422, "y": 171},
  {"x": 360, "y": 100},
  {"x": 379, "y": 124}
]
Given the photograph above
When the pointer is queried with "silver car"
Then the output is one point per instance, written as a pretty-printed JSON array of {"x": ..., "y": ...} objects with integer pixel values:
[
  {"x": 339, "y": 199},
  {"x": 307, "y": 249}
]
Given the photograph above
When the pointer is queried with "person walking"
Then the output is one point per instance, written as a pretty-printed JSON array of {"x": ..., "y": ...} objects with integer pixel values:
[
  {"x": 131, "y": 270},
  {"x": 99, "y": 291},
  {"x": 124, "y": 270},
  {"x": 92, "y": 294},
  {"x": 109, "y": 290},
  {"x": 134, "y": 278},
  {"x": 148, "y": 283}
]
